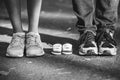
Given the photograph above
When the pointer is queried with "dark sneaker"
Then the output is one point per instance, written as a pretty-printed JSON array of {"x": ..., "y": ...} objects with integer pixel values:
[
  {"x": 33, "y": 45},
  {"x": 106, "y": 43},
  {"x": 16, "y": 46},
  {"x": 87, "y": 44}
]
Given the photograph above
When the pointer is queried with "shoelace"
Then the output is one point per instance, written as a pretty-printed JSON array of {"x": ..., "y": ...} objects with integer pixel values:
[
  {"x": 17, "y": 41},
  {"x": 32, "y": 40},
  {"x": 104, "y": 36},
  {"x": 87, "y": 37}
]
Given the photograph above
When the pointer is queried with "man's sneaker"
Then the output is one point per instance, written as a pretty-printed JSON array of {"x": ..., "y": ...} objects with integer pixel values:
[
  {"x": 16, "y": 46},
  {"x": 106, "y": 43},
  {"x": 33, "y": 45},
  {"x": 87, "y": 44}
]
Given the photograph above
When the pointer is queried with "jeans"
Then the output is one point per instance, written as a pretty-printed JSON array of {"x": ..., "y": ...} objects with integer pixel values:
[{"x": 96, "y": 14}]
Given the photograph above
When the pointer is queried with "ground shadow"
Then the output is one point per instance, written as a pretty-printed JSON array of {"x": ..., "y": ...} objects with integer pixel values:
[{"x": 3, "y": 47}]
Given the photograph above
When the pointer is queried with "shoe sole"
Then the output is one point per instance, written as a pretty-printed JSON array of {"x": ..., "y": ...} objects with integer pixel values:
[
  {"x": 37, "y": 54},
  {"x": 56, "y": 53},
  {"x": 108, "y": 52},
  {"x": 67, "y": 52},
  {"x": 88, "y": 52},
  {"x": 11, "y": 55},
  {"x": 34, "y": 55}
]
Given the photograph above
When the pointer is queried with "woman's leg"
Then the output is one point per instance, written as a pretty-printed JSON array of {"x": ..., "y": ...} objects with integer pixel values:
[
  {"x": 34, "y": 8},
  {"x": 14, "y": 10},
  {"x": 16, "y": 47},
  {"x": 33, "y": 41}
]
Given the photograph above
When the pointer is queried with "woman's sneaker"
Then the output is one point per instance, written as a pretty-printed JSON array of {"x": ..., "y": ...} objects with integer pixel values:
[
  {"x": 33, "y": 45},
  {"x": 16, "y": 46},
  {"x": 106, "y": 43},
  {"x": 87, "y": 44}
]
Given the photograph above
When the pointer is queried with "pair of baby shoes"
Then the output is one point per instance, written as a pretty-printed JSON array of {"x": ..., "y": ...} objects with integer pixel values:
[{"x": 59, "y": 49}]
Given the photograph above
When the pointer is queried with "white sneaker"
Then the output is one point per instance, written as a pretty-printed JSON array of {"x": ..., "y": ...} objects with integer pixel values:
[
  {"x": 33, "y": 45},
  {"x": 57, "y": 49},
  {"x": 67, "y": 48},
  {"x": 16, "y": 46}
]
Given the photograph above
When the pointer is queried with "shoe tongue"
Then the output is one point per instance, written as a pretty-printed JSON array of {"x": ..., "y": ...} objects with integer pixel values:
[{"x": 89, "y": 36}]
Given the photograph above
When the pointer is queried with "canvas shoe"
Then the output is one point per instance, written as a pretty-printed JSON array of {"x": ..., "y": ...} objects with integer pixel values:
[
  {"x": 67, "y": 48},
  {"x": 33, "y": 45},
  {"x": 87, "y": 44},
  {"x": 57, "y": 49},
  {"x": 16, "y": 46},
  {"x": 106, "y": 43}
]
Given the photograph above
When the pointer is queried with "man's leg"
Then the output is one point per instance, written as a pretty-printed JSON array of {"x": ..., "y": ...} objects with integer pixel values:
[
  {"x": 16, "y": 47},
  {"x": 106, "y": 19},
  {"x": 33, "y": 41},
  {"x": 85, "y": 12}
]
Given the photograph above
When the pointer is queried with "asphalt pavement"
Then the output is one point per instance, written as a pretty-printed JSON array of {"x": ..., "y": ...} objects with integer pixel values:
[{"x": 57, "y": 25}]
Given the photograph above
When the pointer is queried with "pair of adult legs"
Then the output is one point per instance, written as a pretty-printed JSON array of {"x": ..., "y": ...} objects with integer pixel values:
[
  {"x": 33, "y": 43},
  {"x": 96, "y": 22}
]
